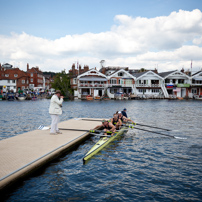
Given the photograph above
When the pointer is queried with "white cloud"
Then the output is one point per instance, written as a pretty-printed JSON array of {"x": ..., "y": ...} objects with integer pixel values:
[{"x": 134, "y": 42}]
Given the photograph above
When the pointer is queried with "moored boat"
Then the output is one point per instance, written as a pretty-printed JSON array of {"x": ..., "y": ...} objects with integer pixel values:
[
  {"x": 10, "y": 96},
  {"x": 89, "y": 97},
  {"x": 97, "y": 98},
  {"x": 104, "y": 141},
  {"x": 21, "y": 97}
]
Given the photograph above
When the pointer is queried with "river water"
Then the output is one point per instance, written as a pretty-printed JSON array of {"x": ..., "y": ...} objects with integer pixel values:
[{"x": 140, "y": 166}]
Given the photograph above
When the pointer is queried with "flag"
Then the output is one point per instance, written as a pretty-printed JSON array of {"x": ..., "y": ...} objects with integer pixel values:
[
  {"x": 176, "y": 89},
  {"x": 169, "y": 85}
]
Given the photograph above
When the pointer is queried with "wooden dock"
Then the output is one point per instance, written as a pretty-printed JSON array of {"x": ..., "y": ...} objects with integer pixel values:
[{"x": 23, "y": 154}]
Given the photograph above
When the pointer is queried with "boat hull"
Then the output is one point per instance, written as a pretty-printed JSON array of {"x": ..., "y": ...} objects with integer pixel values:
[
  {"x": 89, "y": 98},
  {"x": 21, "y": 98},
  {"x": 104, "y": 141}
]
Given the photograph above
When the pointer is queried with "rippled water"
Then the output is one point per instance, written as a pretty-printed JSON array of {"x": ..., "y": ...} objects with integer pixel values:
[{"x": 140, "y": 166}]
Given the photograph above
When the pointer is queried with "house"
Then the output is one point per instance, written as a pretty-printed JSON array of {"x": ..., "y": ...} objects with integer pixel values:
[
  {"x": 150, "y": 84},
  {"x": 176, "y": 82},
  {"x": 73, "y": 73},
  {"x": 36, "y": 77},
  {"x": 196, "y": 84},
  {"x": 91, "y": 83},
  {"x": 47, "y": 82},
  {"x": 13, "y": 79},
  {"x": 120, "y": 82}
]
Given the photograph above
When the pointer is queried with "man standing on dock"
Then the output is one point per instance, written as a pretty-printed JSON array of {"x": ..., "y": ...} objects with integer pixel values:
[{"x": 55, "y": 110}]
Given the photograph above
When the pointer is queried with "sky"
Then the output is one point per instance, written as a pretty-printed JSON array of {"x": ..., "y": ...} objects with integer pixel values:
[{"x": 54, "y": 34}]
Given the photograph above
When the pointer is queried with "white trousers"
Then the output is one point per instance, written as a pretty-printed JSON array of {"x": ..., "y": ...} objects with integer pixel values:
[{"x": 54, "y": 123}]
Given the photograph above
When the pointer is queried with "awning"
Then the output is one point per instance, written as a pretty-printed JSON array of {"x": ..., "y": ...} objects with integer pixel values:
[
  {"x": 92, "y": 79},
  {"x": 120, "y": 87},
  {"x": 197, "y": 79},
  {"x": 126, "y": 78}
]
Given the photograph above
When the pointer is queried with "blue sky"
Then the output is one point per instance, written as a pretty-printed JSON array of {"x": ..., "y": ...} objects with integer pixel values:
[{"x": 50, "y": 24}]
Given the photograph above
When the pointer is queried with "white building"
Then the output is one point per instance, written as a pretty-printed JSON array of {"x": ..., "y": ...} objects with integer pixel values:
[{"x": 7, "y": 85}]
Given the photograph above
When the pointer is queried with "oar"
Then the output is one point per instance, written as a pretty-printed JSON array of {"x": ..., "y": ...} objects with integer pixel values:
[
  {"x": 134, "y": 124},
  {"x": 152, "y": 127},
  {"x": 91, "y": 131},
  {"x": 100, "y": 135},
  {"x": 157, "y": 132}
]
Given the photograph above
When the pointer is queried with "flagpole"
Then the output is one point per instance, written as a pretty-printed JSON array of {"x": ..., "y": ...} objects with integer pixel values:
[{"x": 191, "y": 75}]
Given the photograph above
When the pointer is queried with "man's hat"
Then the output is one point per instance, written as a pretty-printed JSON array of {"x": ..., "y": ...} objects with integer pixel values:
[
  {"x": 124, "y": 109},
  {"x": 57, "y": 91},
  {"x": 119, "y": 112}
]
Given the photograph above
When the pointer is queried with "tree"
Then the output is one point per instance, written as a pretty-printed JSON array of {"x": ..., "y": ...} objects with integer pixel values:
[
  {"x": 142, "y": 70},
  {"x": 62, "y": 82}
]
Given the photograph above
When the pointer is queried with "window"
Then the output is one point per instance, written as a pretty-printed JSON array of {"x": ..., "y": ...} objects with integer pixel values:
[
  {"x": 23, "y": 81},
  {"x": 194, "y": 90},
  {"x": 113, "y": 81},
  {"x": 155, "y": 90},
  {"x": 15, "y": 75},
  {"x": 13, "y": 81},
  {"x": 31, "y": 74},
  {"x": 129, "y": 81},
  {"x": 8, "y": 81},
  {"x": 6, "y": 75},
  {"x": 31, "y": 80},
  {"x": 74, "y": 81},
  {"x": 142, "y": 90},
  {"x": 181, "y": 81},
  {"x": 167, "y": 81},
  {"x": 120, "y": 74}
]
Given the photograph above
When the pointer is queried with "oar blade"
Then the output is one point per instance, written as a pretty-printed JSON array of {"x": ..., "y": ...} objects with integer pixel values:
[{"x": 182, "y": 138}]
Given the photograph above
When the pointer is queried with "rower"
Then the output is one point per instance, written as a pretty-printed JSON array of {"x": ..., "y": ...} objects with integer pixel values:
[
  {"x": 108, "y": 127},
  {"x": 116, "y": 121},
  {"x": 123, "y": 118},
  {"x": 124, "y": 113}
]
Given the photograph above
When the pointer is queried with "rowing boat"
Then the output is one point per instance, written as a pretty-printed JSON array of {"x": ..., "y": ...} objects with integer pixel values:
[{"x": 102, "y": 143}]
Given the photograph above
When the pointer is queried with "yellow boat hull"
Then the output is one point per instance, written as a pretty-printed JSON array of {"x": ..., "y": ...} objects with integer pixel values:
[{"x": 102, "y": 143}]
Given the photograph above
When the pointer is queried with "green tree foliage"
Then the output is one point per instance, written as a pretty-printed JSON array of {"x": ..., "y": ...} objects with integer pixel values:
[
  {"x": 62, "y": 82},
  {"x": 142, "y": 70}
]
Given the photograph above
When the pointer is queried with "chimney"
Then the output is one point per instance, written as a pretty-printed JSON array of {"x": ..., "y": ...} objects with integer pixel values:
[
  {"x": 182, "y": 70},
  {"x": 73, "y": 69},
  {"x": 27, "y": 67},
  {"x": 79, "y": 69}
]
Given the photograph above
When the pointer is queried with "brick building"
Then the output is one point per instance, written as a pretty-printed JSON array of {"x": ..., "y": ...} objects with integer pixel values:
[
  {"x": 35, "y": 77},
  {"x": 13, "y": 79},
  {"x": 73, "y": 73}
]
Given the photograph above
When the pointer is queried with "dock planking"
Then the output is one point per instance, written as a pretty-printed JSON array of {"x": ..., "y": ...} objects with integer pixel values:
[{"x": 25, "y": 153}]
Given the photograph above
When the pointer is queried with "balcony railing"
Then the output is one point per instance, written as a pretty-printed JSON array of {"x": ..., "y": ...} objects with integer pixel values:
[
  {"x": 91, "y": 85},
  {"x": 104, "y": 85},
  {"x": 147, "y": 85}
]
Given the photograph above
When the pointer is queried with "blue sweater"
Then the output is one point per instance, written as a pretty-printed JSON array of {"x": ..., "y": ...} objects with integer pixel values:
[{"x": 124, "y": 114}]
